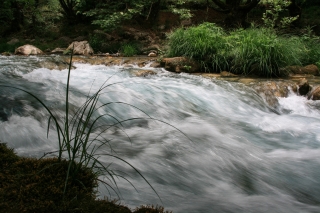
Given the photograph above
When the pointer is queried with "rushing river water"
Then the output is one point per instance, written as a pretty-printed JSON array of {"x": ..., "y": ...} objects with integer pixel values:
[{"x": 238, "y": 155}]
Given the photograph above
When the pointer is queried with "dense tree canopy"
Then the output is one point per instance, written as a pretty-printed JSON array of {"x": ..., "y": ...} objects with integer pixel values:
[
  {"x": 237, "y": 10},
  {"x": 108, "y": 14}
]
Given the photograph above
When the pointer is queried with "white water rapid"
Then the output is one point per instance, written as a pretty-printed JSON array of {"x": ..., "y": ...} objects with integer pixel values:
[{"x": 243, "y": 156}]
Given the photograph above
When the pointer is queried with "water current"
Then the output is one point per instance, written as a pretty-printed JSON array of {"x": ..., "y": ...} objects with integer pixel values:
[{"x": 237, "y": 155}]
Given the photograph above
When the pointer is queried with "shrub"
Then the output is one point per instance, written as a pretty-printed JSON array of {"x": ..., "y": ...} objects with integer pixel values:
[
  {"x": 263, "y": 52},
  {"x": 4, "y": 47},
  {"x": 97, "y": 42},
  {"x": 312, "y": 48},
  {"x": 129, "y": 50},
  {"x": 205, "y": 43}
]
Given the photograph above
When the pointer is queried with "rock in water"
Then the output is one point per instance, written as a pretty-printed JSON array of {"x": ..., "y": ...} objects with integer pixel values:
[
  {"x": 81, "y": 48},
  {"x": 315, "y": 94},
  {"x": 28, "y": 50},
  {"x": 304, "y": 87}
]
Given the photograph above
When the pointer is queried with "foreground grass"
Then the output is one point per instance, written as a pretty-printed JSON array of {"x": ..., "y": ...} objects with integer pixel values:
[{"x": 37, "y": 185}]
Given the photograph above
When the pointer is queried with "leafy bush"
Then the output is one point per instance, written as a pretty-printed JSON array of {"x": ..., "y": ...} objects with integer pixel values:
[
  {"x": 312, "y": 46},
  {"x": 263, "y": 52},
  {"x": 129, "y": 50},
  {"x": 4, "y": 47},
  {"x": 97, "y": 42},
  {"x": 206, "y": 43}
]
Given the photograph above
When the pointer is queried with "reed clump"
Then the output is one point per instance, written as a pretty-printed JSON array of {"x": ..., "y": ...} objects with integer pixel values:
[
  {"x": 206, "y": 43},
  {"x": 254, "y": 51}
]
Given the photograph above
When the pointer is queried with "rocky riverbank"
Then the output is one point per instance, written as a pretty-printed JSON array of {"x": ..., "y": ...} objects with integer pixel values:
[{"x": 36, "y": 185}]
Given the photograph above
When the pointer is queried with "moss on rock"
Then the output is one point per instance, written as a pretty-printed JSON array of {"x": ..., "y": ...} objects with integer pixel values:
[{"x": 36, "y": 185}]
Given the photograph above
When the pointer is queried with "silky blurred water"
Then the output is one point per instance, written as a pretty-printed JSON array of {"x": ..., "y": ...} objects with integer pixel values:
[{"x": 231, "y": 152}]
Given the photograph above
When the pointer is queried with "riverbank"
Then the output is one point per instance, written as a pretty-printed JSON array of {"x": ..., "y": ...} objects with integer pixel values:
[{"x": 36, "y": 185}]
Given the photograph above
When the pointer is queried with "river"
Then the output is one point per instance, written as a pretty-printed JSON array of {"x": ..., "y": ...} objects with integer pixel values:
[{"x": 213, "y": 145}]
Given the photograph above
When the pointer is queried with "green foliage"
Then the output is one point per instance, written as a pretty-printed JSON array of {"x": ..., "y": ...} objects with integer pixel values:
[
  {"x": 36, "y": 185},
  {"x": 262, "y": 52},
  {"x": 37, "y": 16},
  {"x": 312, "y": 46},
  {"x": 206, "y": 43},
  {"x": 97, "y": 42},
  {"x": 4, "y": 47},
  {"x": 272, "y": 17},
  {"x": 109, "y": 15},
  {"x": 129, "y": 50},
  {"x": 258, "y": 51}
]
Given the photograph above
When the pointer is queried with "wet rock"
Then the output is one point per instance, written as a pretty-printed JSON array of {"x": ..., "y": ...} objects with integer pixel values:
[
  {"x": 58, "y": 50},
  {"x": 309, "y": 69},
  {"x": 315, "y": 94},
  {"x": 152, "y": 54},
  {"x": 227, "y": 74},
  {"x": 81, "y": 48},
  {"x": 144, "y": 73},
  {"x": 180, "y": 64},
  {"x": 270, "y": 91},
  {"x": 155, "y": 64},
  {"x": 28, "y": 50},
  {"x": 55, "y": 65},
  {"x": 304, "y": 87}
]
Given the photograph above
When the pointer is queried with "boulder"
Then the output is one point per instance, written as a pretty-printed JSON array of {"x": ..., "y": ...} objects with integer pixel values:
[
  {"x": 180, "y": 64},
  {"x": 304, "y": 87},
  {"x": 28, "y": 50},
  {"x": 58, "y": 50},
  {"x": 144, "y": 73},
  {"x": 81, "y": 48},
  {"x": 152, "y": 54},
  {"x": 315, "y": 94},
  {"x": 270, "y": 91},
  {"x": 13, "y": 41},
  {"x": 309, "y": 69}
]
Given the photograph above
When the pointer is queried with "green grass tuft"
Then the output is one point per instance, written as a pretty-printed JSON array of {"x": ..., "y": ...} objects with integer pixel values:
[
  {"x": 129, "y": 50},
  {"x": 260, "y": 51},
  {"x": 206, "y": 43},
  {"x": 254, "y": 51}
]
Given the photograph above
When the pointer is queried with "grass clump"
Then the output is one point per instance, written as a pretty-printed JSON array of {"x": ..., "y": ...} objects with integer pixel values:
[
  {"x": 260, "y": 51},
  {"x": 255, "y": 51},
  {"x": 312, "y": 46},
  {"x": 129, "y": 50},
  {"x": 206, "y": 43}
]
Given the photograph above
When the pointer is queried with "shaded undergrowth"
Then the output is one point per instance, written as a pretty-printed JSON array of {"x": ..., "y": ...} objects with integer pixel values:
[{"x": 37, "y": 185}]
